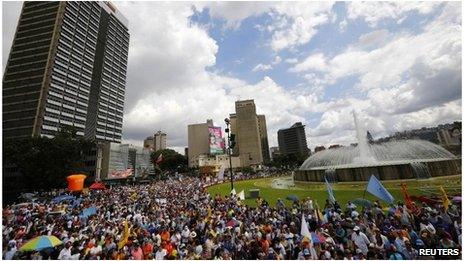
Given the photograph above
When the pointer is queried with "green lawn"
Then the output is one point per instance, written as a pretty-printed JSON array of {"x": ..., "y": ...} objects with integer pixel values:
[{"x": 343, "y": 191}]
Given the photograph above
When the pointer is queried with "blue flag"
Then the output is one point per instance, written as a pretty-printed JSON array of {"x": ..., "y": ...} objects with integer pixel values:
[
  {"x": 330, "y": 190},
  {"x": 377, "y": 189}
]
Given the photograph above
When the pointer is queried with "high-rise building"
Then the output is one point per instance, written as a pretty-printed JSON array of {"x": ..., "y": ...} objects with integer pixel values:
[
  {"x": 263, "y": 136},
  {"x": 198, "y": 141},
  {"x": 159, "y": 140},
  {"x": 293, "y": 140},
  {"x": 67, "y": 67},
  {"x": 250, "y": 134},
  {"x": 149, "y": 143}
]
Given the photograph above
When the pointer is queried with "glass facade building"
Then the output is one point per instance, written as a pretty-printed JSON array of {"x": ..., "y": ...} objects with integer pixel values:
[{"x": 67, "y": 67}]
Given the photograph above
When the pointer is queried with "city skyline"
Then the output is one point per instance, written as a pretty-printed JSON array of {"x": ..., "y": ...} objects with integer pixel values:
[{"x": 308, "y": 62}]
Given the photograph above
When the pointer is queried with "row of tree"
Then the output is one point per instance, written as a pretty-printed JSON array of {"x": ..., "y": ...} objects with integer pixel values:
[{"x": 43, "y": 163}]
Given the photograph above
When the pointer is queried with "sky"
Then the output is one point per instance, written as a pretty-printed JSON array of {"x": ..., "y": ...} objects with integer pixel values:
[{"x": 397, "y": 64}]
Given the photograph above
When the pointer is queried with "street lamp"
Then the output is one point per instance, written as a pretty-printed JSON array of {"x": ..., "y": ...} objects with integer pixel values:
[{"x": 229, "y": 148}]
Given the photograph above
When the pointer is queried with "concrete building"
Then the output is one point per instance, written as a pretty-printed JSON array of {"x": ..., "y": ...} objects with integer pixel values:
[
  {"x": 67, "y": 67},
  {"x": 159, "y": 140},
  {"x": 274, "y": 152},
  {"x": 155, "y": 142},
  {"x": 293, "y": 140},
  {"x": 117, "y": 161},
  {"x": 250, "y": 134},
  {"x": 264, "y": 141},
  {"x": 149, "y": 143},
  {"x": 198, "y": 141},
  {"x": 213, "y": 163}
]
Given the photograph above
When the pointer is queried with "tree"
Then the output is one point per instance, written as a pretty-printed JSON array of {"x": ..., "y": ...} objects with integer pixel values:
[
  {"x": 172, "y": 161},
  {"x": 44, "y": 163}
]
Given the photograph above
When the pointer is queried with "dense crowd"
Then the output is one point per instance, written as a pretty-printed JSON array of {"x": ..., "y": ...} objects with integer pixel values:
[{"x": 178, "y": 219}]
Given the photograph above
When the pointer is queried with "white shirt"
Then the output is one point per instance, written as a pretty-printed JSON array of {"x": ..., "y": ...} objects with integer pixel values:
[
  {"x": 160, "y": 254},
  {"x": 65, "y": 254}
]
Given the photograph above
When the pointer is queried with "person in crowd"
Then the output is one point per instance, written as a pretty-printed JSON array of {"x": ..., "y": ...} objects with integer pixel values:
[{"x": 177, "y": 218}]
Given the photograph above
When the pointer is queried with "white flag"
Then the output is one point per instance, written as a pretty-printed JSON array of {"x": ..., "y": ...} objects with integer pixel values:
[
  {"x": 241, "y": 195},
  {"x": 304, "y": 228},
  {"x": 233, "y": 192},
  {"x": 221, "y": 173}
]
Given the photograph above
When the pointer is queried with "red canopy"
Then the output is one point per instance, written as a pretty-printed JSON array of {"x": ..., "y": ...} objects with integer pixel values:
[{"x": 97, "y": 185}]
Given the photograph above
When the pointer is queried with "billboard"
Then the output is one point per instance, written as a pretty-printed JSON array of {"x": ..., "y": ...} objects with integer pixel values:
[
  {"x": 216, "y": 142},
  {"x": 128, "y": 161}
]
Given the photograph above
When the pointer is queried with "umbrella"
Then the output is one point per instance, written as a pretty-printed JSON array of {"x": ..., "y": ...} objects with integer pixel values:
[
  {"x": 89, "y": 211},
  {"x": 62, "y": 198},
  {"x": 362, "y": 202},
  {"x": 97, "y": 185},
  {"x": 40, "y": 243},
  {"x": 293, "y": 197},
  {"x": 457, "y": 199}
]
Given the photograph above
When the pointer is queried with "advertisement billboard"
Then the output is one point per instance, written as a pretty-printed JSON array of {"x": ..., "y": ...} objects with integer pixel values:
[{"x": 216, "y": 142}]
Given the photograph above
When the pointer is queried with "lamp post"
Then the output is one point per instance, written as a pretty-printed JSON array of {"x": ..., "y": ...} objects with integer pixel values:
[{"x": 227, "y": 121}]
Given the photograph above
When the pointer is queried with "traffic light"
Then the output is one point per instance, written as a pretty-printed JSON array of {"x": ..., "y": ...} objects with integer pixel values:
[{"x": 232, "y": 141}]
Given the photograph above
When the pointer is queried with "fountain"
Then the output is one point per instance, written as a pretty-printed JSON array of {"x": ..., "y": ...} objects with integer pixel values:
[
  {"x": 365, "y": 155},
  {"x": 397, "y": 159},
  {"x": 330, "y": 175},
  {"x": 420, "y": 170}
]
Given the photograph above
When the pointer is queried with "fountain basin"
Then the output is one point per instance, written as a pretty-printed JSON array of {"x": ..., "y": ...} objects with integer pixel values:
[
  {"x": 392, "y": 160},
  {"x": 384, "y": 171}
]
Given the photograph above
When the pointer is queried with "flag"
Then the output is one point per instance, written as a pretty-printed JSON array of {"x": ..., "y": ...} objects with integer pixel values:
[
  {"x": 330, "y": 191},
  {"x": 233, "y": 192},
  {"x": 446, "y": 201},
  {"x": 241, "y": 195},
  {"x": 159, "y": 159},
  {"x": 125, "y": 236},
  {"x": 209, "y": 212},
  {"x": 407, "y": 198},
  {"x": 304, "y": 228},
  {"x": 377, "y": 189},
  {"x": 221, "y": 173}
]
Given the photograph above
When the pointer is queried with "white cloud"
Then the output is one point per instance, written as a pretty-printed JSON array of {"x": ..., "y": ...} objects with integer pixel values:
[
  {"x": 10, "y": 17},
  {"x": 234, "y": 12},
  {"x": 291, "y": 60},
  {"x": 342, "y": 25},
  {"x": 297, "y": 22},
  {"x": 262, "y": 67},
  {"x": 293, "y": 23},
  {"x": 277, "y": 60},
  {"x": 315, "y": 62},
  {"x": 373, "y": 12}
]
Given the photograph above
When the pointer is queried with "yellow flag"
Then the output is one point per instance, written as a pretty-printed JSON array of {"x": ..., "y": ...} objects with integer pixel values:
[
  {"x": 209, "y": 212},
  {"x": 446, "y": 201},
  {"x": 125, "y": 235}
]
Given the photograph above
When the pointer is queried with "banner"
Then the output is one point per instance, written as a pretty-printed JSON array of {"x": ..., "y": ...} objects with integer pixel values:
[
  {"x": 216, "y": 142},
  {"x": 377, "y": 189},
  {"x": 120, "y": 174},
  {"x": 304, "y": 228}
]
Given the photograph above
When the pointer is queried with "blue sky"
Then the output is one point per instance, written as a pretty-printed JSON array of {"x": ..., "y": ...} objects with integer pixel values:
[{"x": 397, "y": 63}]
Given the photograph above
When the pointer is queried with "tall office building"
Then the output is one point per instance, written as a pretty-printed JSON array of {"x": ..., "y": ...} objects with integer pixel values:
[
  {"x": 156, "y": 142},
  {"x": 293, "y": 140},
  {"x": 263, "y": 136},
  {"x": 198, "y": 141},
  {"x": 67, "y": 67},
  {"x": 159, "y": 140},
  {"x": 250, "y": 134},
  {"x": 149, "y": 143}
]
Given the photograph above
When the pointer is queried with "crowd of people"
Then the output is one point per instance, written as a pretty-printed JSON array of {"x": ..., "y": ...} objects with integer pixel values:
[{"x": 178, "y": 219}]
